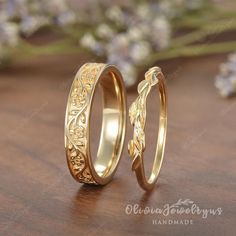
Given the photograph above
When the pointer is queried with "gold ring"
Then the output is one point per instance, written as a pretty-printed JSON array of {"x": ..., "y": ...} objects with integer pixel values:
[
  {"x": 77, "y": 123},
  {"x": 137, "y": 114}
]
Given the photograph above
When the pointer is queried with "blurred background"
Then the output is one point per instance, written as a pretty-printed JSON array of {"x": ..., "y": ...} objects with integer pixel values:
[
  {"x": 133, "y": 35},
  {"x": 42, "y": 45}
]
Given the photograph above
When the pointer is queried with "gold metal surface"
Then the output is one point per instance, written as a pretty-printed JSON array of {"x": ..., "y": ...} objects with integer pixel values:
[
  {"x": 77, "y": 123},
  {"x": 137, "y": 114}
]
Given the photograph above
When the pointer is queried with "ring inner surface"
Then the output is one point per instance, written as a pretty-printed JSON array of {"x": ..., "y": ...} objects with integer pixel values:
[
  {"x": 111, "y": 131},
  {"x": 161, "y": 134}
]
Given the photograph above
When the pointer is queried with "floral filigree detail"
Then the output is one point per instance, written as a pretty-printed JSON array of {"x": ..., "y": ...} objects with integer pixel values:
[
  {"x": 78, "y": 97},
  {"x": 77, "y": 121},
  {"x": 77, "y": 132},
  {"x": 137, "y": 114}
]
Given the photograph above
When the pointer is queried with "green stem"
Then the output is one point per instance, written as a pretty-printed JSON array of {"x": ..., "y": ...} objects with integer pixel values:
[
  {"x": 62, "y": 47},
  {"x": 195, "y": 21},
  {"x": 192, "y": 51},
  {"x": 66, "y": 46},
  {"x": 212, "y": 29}
]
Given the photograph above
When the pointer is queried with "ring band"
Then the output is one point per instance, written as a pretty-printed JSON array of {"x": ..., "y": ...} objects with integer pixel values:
[
  {"x": 137, "y": 113},
  {"x": 77, "y": 123}
]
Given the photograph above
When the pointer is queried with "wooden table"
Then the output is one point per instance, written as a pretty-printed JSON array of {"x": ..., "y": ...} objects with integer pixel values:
[{"x": 38, "y": 195}]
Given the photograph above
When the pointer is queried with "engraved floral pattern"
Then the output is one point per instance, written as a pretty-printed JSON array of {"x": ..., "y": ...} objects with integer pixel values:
[{"x": 77, "y": 121}]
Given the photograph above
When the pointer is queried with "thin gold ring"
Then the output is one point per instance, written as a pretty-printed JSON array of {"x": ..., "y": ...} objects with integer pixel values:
[
  {"x": 137, "y": 113},
  {"x": 77, "y": 123}
]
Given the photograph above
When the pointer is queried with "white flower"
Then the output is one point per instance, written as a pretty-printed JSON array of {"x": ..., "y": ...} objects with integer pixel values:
[
  {"x": 140, "y": 51},
  {"x": 104, "y": 31},
  {"x": 232, "y": 63},
  {"x": 225, "y": 82},
  {"x": 232, "y": 80},
  {"x": 16, "y": 8},
  {"x": 119, "y": 45},
  {"x": 35, "y": 7},
  {"x": 160, "y": 33},
  {"x": 143, "y": 11},
  {"x": 9, "y": 34},
  {"x": 115, "y": 14},
  {"x": 165, "y": 7},
  {"x": 232, "y": 57},
  {"x": 88, "y": 41},
  {"x": 3, "y": 16},
  {"x": 126, "y": 67},
  {"x": 55, "y": 7},
  {"x": 114, "y": 58},
  {"x": 31, "y": 24},
  {"x": 224, "y": 86},
  {"x": 129, "y": 73},
  {"x": 135, "y": 33},
  {"x": 65, "y": 18}
]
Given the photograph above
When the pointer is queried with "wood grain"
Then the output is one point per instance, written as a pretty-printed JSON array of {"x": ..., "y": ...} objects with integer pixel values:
[{"x": 38, "y": 195}]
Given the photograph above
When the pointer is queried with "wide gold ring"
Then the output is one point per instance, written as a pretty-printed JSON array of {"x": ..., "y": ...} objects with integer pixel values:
[
  {"x": 77, "y": 123},
  {"x": 137, "y": 113}
]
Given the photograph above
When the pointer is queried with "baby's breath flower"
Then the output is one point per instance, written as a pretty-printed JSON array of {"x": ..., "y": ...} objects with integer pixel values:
[
  {"x": 143, "y": 10},
  {"x": 115, "y": 14},
  {"x": 9, "y": 34},
  {"x": 225, "y": 81},
  {"x": 104, "y": 31},
  {"x": 139, "y": 51},
  {"x": 54, "y": 7},
  {"x": 129, "y": 72},
  {"x": 15, "y": 8},
  {"x": 161, "y": 32},
  {"x": 31, "y": 24},
  {"x": 126, "y": 35},
  {"x": 88, "y": 41},
  {"x": 65, "y": 18},
  {"x": 119, "y": 45},
  {"x": 135, "y": 33}
]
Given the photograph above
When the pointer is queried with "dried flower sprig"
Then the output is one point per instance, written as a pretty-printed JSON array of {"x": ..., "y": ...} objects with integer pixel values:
[
  {"x": 132, "y": 34},
  {"x": 24, "y": 17}
]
